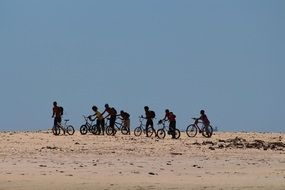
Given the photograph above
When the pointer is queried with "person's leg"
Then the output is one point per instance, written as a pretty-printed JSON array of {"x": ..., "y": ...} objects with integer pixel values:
[
  {"x": 128, "y": 124},
  {"x": 103, "y": 126},
  {"x": 112, "y": 123},
  {"x": 207, "y": 129},
  {"x": 147, "y": 126},
  {"x": 54, "y": 122},
  {"x": 98, "y": 126},
  {"x": 172, "y": 127},
  {"x": 151, "y": 124}
]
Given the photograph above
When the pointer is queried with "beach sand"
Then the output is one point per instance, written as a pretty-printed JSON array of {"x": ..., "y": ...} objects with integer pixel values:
[{"x": 40, "y": 160}]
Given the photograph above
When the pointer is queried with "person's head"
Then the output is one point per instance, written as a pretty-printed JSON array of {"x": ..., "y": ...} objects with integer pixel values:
[
  {"x": 54, "y": 103},
  {"x": 167, "y": 111},
  {"x": 146, "y": 108},
  {"x": 94, "y": 108},
  {"x": 106, "y": 106},
  {"x": 122, "y": 112},
  {"x": 202, "y": 112}
]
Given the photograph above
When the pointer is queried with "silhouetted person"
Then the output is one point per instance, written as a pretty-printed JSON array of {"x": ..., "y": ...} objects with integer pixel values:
[
  {"x": 203, "y": 117},
  {"x": 171, "y": 117},
  {"x": 149, "y": 115},
  {"x": 57, "y": 112},
  {"x": 125, "y": 120},
  {"x": 113, "y": 115},
  {"x": 100, "y": 123}
]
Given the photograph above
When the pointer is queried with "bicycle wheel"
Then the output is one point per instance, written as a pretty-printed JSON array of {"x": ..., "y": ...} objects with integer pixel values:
[
  {"x": 83, "y": 130},
  {"x": 177, "y": 134},
  {"x": 95, "y": 130},
  {"x": 160, "y": 133},
  {"x": 110, "y": 131},
  {"x": 138, "y": 131},
  {"x": 56, "y": 130},
  {"x": 70, "y": 130},
  {"x": 125, "y": 130},
  {"x": 151, "y": 131},
  {"x": 191, "y": 130},
  {"x": 207, "y": 131}
]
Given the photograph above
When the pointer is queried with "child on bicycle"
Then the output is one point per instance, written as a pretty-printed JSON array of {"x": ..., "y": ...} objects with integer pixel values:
[
  {"x": 113, "y": 116},
  {"x": 204, "y": 119},
  {"x": 100, "y": 120},
  {"x": 171, "y": 117},
  {"x": 125, "y": 120}
]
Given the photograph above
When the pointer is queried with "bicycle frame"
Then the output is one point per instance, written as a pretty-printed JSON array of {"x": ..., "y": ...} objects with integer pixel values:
[
  {"x": 87, "y": 121},
  {"x": 196, "y": 123},
  {"x": 141, "y": 125},
  {"x": 142, "y": 129},
  {"x": 193, "y": 128},
  {"x": 164, "y": 126},
  {"x": 117, "y": 125},
  {"x": 63, "y": 126},
  {"x": 166, "y": 130}
]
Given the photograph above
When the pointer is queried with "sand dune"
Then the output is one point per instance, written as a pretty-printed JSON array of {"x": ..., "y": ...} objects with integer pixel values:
[{"x": 39, "y": 160}]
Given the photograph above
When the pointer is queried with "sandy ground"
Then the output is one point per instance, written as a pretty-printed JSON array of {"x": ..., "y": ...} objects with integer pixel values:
[{"x": 39, "y": 160}]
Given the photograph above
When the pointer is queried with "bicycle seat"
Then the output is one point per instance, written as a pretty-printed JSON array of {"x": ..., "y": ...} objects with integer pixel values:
[{"x": 66, "y": 120}]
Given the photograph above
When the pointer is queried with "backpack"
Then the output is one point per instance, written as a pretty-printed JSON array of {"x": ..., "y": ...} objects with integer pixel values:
[
  {"x": 172, "y": 116},
  {"x": 152, "y": 114},
  {"x": 127, "y": 116},
  {"x": 61, "y": 110},
  {"x": 114, "y": 111}
]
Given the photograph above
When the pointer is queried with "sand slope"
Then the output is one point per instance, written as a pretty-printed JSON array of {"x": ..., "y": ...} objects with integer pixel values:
[{"x": 226, "y": 161}]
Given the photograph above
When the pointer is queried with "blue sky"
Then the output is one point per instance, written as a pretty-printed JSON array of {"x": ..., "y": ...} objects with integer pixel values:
[{"x": 224, "y": 56}]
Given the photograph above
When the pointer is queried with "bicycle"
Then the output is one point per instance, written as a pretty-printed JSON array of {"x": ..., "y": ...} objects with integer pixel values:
[
  {"x": 142, "y": 129},
  {"x": 69, "y": 129},
  {"x": 88, "y": 126},
  {"x": 117, "y": 127},
  {"x": 162, "y": 131},
  {"x": 193, "y": 129}
]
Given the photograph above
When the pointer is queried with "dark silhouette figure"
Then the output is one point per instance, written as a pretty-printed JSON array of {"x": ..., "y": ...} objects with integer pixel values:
[
  {"x": 203, "y": 117},
  {"x": 100, "y": 123},
  {"x": 149, "y": 115},
  {"x": 125, "y": 120},
  {"x": 171, "y": 117},
  {"x": 57, "y": 112},
  {"x": 112, "y": 112}
]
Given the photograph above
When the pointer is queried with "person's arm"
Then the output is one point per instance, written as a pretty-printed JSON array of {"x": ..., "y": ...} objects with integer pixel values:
[
  {"x": 165, "y": 118},
  {"x": 146, "y": 115},
  {"x": 90, "y": 117},
  {"x": 200, "y": 118},
  {"x": 53, "y": 112},
  {"x": 106, "y": 115}
]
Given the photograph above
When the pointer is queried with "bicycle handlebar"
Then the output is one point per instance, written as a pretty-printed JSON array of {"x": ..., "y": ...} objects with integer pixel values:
[
  {"x": 88, "y": 118},
  {"x": 161, "y": 122}
]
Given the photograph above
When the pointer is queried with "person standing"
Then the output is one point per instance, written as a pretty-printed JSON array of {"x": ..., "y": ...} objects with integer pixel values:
[
  {"x": 171, "y": 117},
  {"x": 57, "y": 112},
  {"x": 149, "y": 116},
  {"x": 100, "y": 123},
  {"x": 112, "y": 112},
  {"x": 125, "y": 116},
  {"x": 203, "y": 117}
]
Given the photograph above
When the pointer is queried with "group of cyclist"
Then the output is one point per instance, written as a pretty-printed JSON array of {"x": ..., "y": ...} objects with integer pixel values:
[{"x": 111, "y": 114}]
